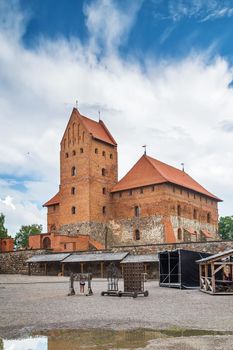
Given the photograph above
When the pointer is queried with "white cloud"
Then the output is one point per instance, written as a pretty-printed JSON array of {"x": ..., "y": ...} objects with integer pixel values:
[{"x": 179, "y": 109}]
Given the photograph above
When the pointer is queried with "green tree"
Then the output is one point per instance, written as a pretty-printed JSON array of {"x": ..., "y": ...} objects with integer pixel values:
[
  {"x": 226, "y": 227},
  {"x": 21, "y": 237},
  {"x": 3, "y": 230}
]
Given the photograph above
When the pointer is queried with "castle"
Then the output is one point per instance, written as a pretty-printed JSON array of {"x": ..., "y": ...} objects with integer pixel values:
[{"x": 153, "y": 203}]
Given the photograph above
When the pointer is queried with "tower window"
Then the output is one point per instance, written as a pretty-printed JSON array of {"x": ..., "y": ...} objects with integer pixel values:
[
  {"x": 136, "y": 211},
  {"x": 74, "y": 153},
  {"x": 104, "y": 210},
  {"x": 137, "y": 235},
  {"x": 178, "y": 210},
  {"x": 152, "y": 188},
  {"x": 195, "y": 214},
  {"x": 104, "y": 190},
  {"x": 111, "y": 156},
  {"x": 67, "y": 155},
  {"x": 73, "y": 190},
  {"x": 208, "y": 218},
  {"x": 96, "y": 150},
  {"x": 73, "y": 210},
  {"x": 81, "y": 150},
  {"x": 103, "y": 153},
  {"x": 73, "y": 171},
  {"x": 103, "y": 172},
  {"x": 179, "y": 234}
]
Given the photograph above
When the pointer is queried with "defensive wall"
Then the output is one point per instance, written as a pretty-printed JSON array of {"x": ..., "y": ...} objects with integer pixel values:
[{"x": 15, "y": 262}]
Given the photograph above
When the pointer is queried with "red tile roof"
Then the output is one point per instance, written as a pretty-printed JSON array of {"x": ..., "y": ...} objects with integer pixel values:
[
  {"x": 54, "y": 200},
  {"x": 98, "y": 130},
  {"x": 150, "y": 171}
]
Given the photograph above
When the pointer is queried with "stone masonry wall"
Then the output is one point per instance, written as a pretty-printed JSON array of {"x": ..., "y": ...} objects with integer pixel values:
[
  {"x": 15, "y": 262},
  {"x": 212, "y": 247}
]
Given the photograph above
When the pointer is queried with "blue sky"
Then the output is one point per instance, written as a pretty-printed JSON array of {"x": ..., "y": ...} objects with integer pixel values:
[
  {"x": 160, "y": 72},
  {"x": 161, "y": 28}
]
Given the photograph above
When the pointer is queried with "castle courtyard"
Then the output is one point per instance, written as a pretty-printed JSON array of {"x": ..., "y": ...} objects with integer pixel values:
[{"x": 40, "y": 303}]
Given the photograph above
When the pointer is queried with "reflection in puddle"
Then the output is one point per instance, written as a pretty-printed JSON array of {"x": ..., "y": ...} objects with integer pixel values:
[{"x": 98, "y": 339}]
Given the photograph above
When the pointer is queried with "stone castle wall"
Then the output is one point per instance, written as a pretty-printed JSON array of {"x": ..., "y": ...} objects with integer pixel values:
[{"x": 15, "y": 262}]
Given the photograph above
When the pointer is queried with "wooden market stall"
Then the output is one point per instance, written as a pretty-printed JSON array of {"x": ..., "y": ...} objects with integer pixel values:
[{"x": 216, "y": 273}]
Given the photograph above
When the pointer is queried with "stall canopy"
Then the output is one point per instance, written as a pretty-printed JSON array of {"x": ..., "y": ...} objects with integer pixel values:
[
  {"x": 178, "y": 268},
  {"x": 140, "y": 259},
  {"x": 95, "y": 257},
  {"x": 47, "y": 258}
]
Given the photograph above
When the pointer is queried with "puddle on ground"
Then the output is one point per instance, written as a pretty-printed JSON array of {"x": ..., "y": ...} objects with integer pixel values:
[{"x": 98, "y": 339}]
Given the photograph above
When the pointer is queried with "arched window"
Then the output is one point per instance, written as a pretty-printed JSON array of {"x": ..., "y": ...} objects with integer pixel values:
[
  {"x": 103, "y": 172},
  {"x": 104, "y": 210},
  {"x": 208, "y": 218},
  {"x": 104, "y": 190},
  {"x": 179, "y": 234},
  {"x": 73, "y": 171},
  {"x": 195, "y": 214},
  {"x": 74, "y": 153},
  {"x": 96, "y": 150},
  {"x": 111, "y": 156},
  {"x": 73, "y": 210},
  {"x": 137, "y": 235},
  {"x": 46, "y": 243},
  {"x": 73, "y": 190},
  {"x": 178, "y": 210},
  {"x": 81, "y": 150},
  {"x": 136, "y": 211},
  {"x": 67, "y": 155}
]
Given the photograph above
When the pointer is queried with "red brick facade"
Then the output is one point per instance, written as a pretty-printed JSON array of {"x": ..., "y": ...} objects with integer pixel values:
[
  {"x": 153, "y": 203},
  {"x": 6, "y": 245}
]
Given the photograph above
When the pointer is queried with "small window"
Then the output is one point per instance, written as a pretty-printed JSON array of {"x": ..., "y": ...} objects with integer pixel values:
[
  {"x": 73, "y": 210},
  {"x": 103, "y": 153},
  {"x": 104, "y": 190},
  {"x": 208, "y": 218},
  {"x": 104, "y": 210},
  {"x": 136, "y": 211},
  {"x": 73, "y": 190},
  {"x": 103, "y": 172},
  {"x": 111, "y": 156},
  {"x": 120, "y": 194},
  {"x": 67, "y": 155},
  {"x": 195, "y": 214},
  {"x": 178, "y": 210},
  {"x": 73, "y": 171},
  {"x": 74, "y": 153},
  {"x": 64, "y": 246},
  {"x": 152, "y": 188},
  {"x": 130, "y": 192},
  {"x": 96, "y": 150},
  {"x": 179, "y": 234},
  {"x": 137, "y": 235},
  {"x": 81, "y": 150},
  {"x": 141, "y": 190}
]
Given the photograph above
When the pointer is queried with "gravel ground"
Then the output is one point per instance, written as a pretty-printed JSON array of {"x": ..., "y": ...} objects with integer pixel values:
[{"x": 35, "y": 303}]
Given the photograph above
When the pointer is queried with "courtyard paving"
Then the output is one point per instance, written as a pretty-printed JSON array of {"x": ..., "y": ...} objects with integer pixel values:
[{"x": 29, "y": 303}]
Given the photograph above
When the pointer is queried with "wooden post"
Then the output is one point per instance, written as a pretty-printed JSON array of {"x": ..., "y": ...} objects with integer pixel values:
[
  {"x": 29, "y": 269},
  {"x": 122, "y": 269},
  {"x": 213, "y": 277},
  {"x": 62, "y": 269},
  {"x": 145, "y": 267},
  {"x": 206, "y": 276},
  {"x": 82, "y": 267},
  {"x": 102, "y": 269},
  {"x": 45, "y": 269}
]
